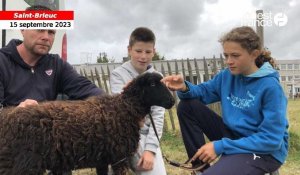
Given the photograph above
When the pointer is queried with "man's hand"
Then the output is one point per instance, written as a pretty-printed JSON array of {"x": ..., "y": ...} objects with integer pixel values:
[
  {"x": 28, "y": 102},
  {"x": 146, "y": 161},
  {"x": 206, "y": 153},
  {"x": 174, "y": 82}
]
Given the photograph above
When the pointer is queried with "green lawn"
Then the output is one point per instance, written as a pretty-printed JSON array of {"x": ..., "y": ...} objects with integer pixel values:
[{"x": 292, "y": 165}]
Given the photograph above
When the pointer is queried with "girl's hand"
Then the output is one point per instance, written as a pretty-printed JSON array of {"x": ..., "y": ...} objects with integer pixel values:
[
  {"x": 175, "y": 82},
  {"x": 206, "y": 153}
]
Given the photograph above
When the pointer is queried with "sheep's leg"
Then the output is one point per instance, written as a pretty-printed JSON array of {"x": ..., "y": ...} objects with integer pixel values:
[
  {"x": 6, "y": 167},
  {"x": 30, "y": 172},
  {"x": 100, "y": 170},
  {"x": 29, "y": 163},
  {"x": 120, "y": 169},
  {"x": 60, "y": 173},
  {"x": 6, "y": 161},
  {"x": 16, "y": 162}
]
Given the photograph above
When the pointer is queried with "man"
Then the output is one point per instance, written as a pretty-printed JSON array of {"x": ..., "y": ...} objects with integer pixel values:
[{"x": 29, "y": 74}]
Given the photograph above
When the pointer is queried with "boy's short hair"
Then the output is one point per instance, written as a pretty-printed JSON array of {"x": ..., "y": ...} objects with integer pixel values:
[
  {"x": 141, "y": 34},
  {"x": 37, "y": 7}
]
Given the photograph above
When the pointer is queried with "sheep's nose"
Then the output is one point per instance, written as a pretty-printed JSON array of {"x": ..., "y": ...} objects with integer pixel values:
[
  {"x": 173, "y": 101},
  {"x": 170, "y": 103}
]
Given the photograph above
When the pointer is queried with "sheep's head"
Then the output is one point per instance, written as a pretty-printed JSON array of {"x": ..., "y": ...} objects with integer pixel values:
[{"x": 150, "y": 90}]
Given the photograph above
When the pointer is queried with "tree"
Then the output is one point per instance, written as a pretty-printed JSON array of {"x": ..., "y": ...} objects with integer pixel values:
[
  {"x": 157, "y": 57},
  {"x": 102, "y": 58}
]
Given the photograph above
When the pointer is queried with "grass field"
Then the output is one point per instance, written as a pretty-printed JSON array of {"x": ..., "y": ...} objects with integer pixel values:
[
  {"x": 292, "y": 165},
  {"x": 173, "y": 147}
]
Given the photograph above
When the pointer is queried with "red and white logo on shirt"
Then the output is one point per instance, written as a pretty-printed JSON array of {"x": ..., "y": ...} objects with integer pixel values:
[{"x": 49, "y": 72}]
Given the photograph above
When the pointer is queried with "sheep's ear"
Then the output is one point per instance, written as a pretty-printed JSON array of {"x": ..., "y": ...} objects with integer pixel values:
[
  {"x": 144, "y": 79},
  {"x": 149, "y": 79}
]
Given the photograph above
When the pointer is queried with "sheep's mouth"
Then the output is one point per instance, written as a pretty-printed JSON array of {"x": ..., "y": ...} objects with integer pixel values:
[{"x": 169, "y": 104}]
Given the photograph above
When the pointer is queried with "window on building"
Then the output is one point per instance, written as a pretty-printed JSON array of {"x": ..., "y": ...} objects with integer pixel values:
[
  {"x": 296, "y": 66},
  {"x": 290, "y": 66},
  {"x": 283, "y": 66},
  {"x": 290, "y": 78},
  {"x": 297, "y": 76},
  {"x": 283, "y": 78}
]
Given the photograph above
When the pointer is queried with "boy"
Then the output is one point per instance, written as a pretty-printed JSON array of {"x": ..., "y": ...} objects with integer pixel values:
[{"x": 148, "y": 159}]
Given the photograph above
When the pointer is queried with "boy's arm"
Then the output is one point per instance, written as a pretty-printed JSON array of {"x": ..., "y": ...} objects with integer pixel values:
[
  {"x": 152, "y": 143},
  {"x": 116, "y": 83}
]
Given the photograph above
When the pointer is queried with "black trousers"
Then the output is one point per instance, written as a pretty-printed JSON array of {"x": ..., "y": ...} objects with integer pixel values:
[{"x": 196, "y": 119}]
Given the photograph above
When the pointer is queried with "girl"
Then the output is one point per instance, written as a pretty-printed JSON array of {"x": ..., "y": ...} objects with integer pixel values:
[{"x": 251, "y": 136}]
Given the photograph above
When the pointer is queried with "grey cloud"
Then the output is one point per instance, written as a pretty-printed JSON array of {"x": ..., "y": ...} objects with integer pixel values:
[
  {"x": 274, "y": 5},
  {"x": 283, "y": 41},
  {"x": 105, "y": 25}
]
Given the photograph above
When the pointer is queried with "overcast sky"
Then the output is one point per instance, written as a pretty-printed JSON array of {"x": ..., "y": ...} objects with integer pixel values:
[{"x": 183, "y": 28}]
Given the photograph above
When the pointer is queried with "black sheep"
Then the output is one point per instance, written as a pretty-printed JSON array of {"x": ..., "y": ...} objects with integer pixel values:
[{"x": 68, "y": 135}]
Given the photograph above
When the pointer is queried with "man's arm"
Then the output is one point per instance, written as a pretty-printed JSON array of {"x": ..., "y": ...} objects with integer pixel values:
[
  {"x": 1, "y": 93},
  {"x": 75, "y": 85}
]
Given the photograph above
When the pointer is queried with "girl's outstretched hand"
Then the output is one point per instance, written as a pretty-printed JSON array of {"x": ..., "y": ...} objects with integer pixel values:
[{"x": 175, "y": 82}]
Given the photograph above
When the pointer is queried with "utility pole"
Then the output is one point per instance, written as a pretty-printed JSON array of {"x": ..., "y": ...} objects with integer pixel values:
[
  {"x": 260, "y": 26},
  {"x": 3, "y": 30}
]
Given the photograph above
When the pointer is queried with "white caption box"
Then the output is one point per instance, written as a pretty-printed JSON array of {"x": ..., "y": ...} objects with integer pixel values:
[{"x": 37, "y": 24}]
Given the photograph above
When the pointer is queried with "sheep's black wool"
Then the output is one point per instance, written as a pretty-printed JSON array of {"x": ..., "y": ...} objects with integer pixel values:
[{"x": 68, "y": 135}]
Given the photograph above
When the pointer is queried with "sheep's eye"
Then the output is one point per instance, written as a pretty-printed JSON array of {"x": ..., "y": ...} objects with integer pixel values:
[{"x": 152, "y": 84}]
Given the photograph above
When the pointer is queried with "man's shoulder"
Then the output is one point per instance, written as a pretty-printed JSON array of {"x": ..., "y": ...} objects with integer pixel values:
[
  {"x": 3, "y": 56},
  {"x": 53, "y": 59},
  {"x": 53, "y": 56},
  {"x": 4, "y": 52},
  {"x": 4, "y": 59}
]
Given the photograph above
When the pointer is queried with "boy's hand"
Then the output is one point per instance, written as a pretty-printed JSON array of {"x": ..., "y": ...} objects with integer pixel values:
[
  {"x": 146, "y": 161},
  {"x": 142, "y": 122},
  {"x": 127, "y": 84},
  {"x": 175, "y": 82}
]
